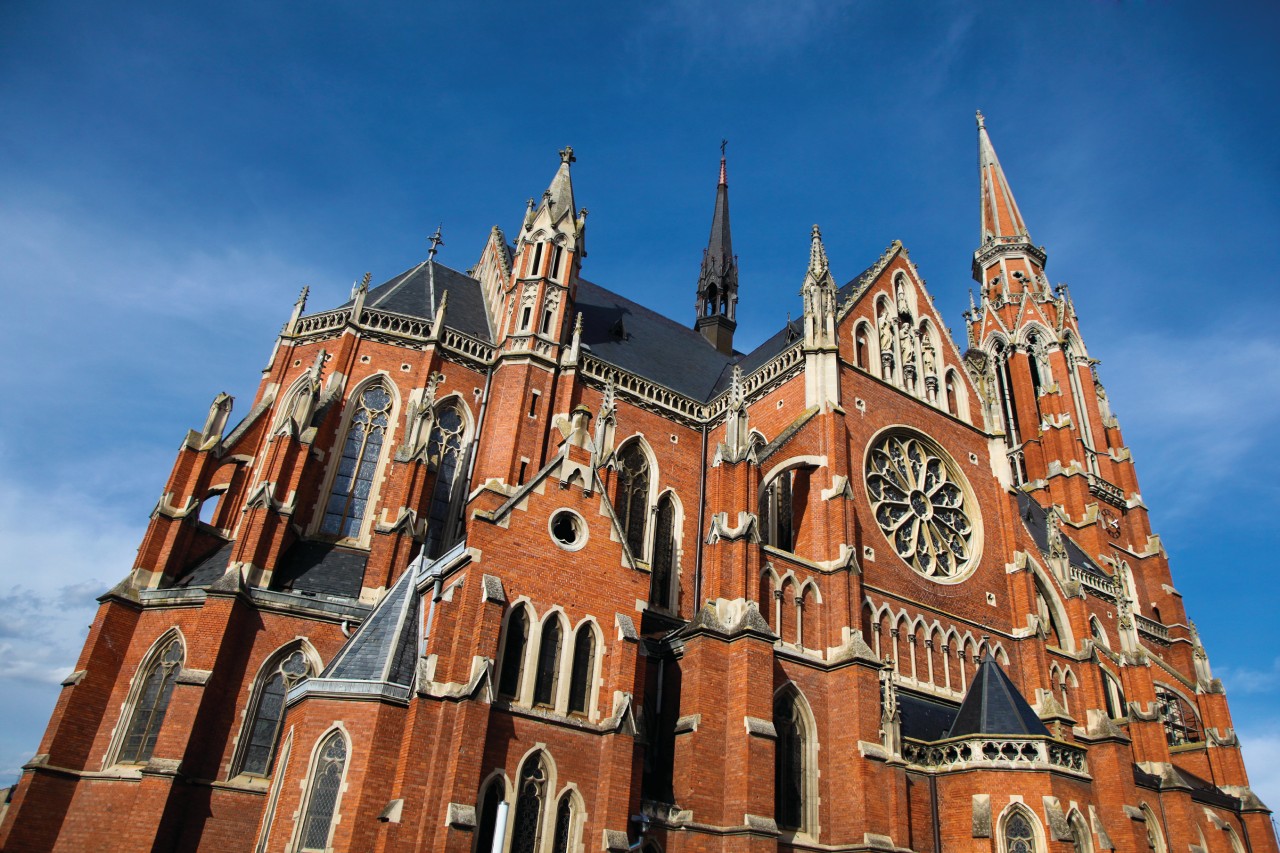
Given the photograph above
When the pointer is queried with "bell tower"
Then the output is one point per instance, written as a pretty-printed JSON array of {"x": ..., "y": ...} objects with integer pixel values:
[{"x": 717, "y": 302}]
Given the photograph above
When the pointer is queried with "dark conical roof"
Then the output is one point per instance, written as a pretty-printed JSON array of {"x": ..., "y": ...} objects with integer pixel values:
[
  {"x": 720, "y": 245},
  {"x": 385, "y": 646},
  {"x": 993, "y": 706}
]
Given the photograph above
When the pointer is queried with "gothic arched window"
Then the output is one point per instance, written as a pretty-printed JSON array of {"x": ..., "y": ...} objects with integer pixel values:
[
  {"x": 444, "y": 451},
  {"x": 664, "y": 554},
  {"x": 513, "y": 653},
  {"x": 530, "y": 795},
  {"x": 1081, "y": 841},
  {"x": 488, "y": 817},
  {"x": 152, "y": 702},
  {"x": 789, "y": 763},
  {"x": 860, "y": 348},
  {"x": 353, "y": 483},
  {"x": 583, "y": 671},
  {"x": 1114, "y": 696},
  {"x": 1019, "y": 835},
  {"x": 564, "y": 825},
  {"x": 1181, "y": 725},
  {"x": 548, "y": 673},
  {"x": 782, "y": 507},
  {"x": 949, "y": 391},
  {"x": 267, "y": 710},
  {"x": 324, "y": 791},
  {"x": 633, "y": 496}
]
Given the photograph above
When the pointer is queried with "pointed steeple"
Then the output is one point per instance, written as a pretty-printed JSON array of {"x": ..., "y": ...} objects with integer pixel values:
[
  {"x": 559, "y": 196},
  {"x": 718, "y": 281},
  {"x": 1001, "y": 218}
]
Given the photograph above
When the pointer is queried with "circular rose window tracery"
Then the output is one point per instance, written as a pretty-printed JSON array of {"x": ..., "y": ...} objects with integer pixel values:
[{"x": 919, "y": 501}]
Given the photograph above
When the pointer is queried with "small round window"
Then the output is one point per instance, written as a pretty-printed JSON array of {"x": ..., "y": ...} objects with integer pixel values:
[{"x": 568, "y": 530}]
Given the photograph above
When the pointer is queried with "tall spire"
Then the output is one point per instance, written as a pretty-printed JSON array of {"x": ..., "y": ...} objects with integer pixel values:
[
  {"x": 1001, "y": 219},
  {"x": 718, "y": 281},
  {"x": 559, "y": 196}
]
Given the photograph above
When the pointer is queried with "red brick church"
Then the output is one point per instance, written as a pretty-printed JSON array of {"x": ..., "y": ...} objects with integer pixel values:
[{"x": 501, "y": 560}]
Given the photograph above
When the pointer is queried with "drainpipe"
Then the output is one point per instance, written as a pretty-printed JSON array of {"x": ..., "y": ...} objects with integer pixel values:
[
  {"x": 702, "y": 508},
  {"x": 933, "y": 807},
  {"x": 500, "y": 827}
]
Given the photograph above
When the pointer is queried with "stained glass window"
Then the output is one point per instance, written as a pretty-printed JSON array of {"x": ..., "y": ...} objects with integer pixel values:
[
  {"x": 664, "y": 548},
  {"x": 548, "y": 673},
  {"x": 326, "y": 785},
  {"x": 268, "y": 711},
  {"x": 584, "y": 665},
  {"x": 920, "y": 504},
  {"x": 353, "y": 484},
  {"x": 564, "y": 825},
  {"x": 152, "y": 703},
  {"x": 529, "y": 798},
  {"x": 633, "y": 496},
  {"x": 444, "y": 450},
  {"x": 1018, "y": 835},
  {"x": 513, "y": 654},
  {"x": 788, "y": 765}
]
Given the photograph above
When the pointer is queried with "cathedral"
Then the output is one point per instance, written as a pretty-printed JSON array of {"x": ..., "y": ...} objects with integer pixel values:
[{"x": 501, "y": 560}]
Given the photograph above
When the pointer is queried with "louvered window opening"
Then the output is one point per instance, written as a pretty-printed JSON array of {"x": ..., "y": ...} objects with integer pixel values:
[
  {"x": 1180, "y": 723},
  {"x": 259, "y": 755},
  {"x": 443, "y": 452},
  {"x": 352, "y": 485},
  {"x": 153, "y": 703},
  {"x": 326, "y": 785}
]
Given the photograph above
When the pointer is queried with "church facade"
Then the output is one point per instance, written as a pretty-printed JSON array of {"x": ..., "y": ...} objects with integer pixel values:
[{"x": 500, "y": 560}]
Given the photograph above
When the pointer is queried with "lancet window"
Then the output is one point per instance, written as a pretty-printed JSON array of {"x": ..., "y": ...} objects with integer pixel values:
[
  {"x": 324, "y": 792},
  {"x": 488, "y": 817},
  {"x": 632, "y": 500},
  {"x": 664, "y": 554},
  {"x": 513, "y": 653},
  {"x": 583, "y": 671},
  {"x": 444, "y": 457},
  {"x": 564, "y": 825},
  {"x": 531, "y": 794},
  {"x": 267, "y": 710},
  {"x": 1019, "y": 836},
  {"x": 349, "y": 497},
  {"x": 789, "y": 763},
  {"x": 1114, "y": 698},
  {"x": 152, "y": 703},
  {"x": 548, "y": 672}
]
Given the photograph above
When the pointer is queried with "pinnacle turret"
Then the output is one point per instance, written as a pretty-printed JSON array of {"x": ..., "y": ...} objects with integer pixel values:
[{"x": 718, "y": 281}]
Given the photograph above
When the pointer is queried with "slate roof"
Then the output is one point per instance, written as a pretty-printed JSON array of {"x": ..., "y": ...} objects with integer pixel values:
[
  {"x": 385, "y": 646},
  {"x": 1036, "y": 519},
  {"x": 647, "y": 344},
  {"x": 614, "y": 329},
  {"x": 207, "y": 570},
  {"x": 923, "y": 718},
  {"x": 409, "y": 293},
  {"x": 993, "y": 706},
  {"x": 320, "y": 568}
]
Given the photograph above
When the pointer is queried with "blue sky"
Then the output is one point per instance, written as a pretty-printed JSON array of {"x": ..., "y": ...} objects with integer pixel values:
[{"x": 173, "y": 174}]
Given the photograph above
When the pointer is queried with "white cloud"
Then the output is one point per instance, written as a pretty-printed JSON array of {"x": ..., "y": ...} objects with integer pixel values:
[
  {"x": 1261, "y": 747},
  {"x": 1251, "y": 680},
  {"x": 1199, "y": 408}
]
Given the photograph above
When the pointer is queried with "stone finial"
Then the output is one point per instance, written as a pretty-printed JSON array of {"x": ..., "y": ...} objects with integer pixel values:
[{"x": 566, "y": 155}]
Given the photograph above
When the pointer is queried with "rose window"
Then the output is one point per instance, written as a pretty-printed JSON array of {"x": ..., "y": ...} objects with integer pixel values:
[{"x": 919, "y": 502}]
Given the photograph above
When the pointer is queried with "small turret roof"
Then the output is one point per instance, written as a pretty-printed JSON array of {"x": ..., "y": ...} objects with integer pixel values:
[{"x": 993, "y": 706}]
